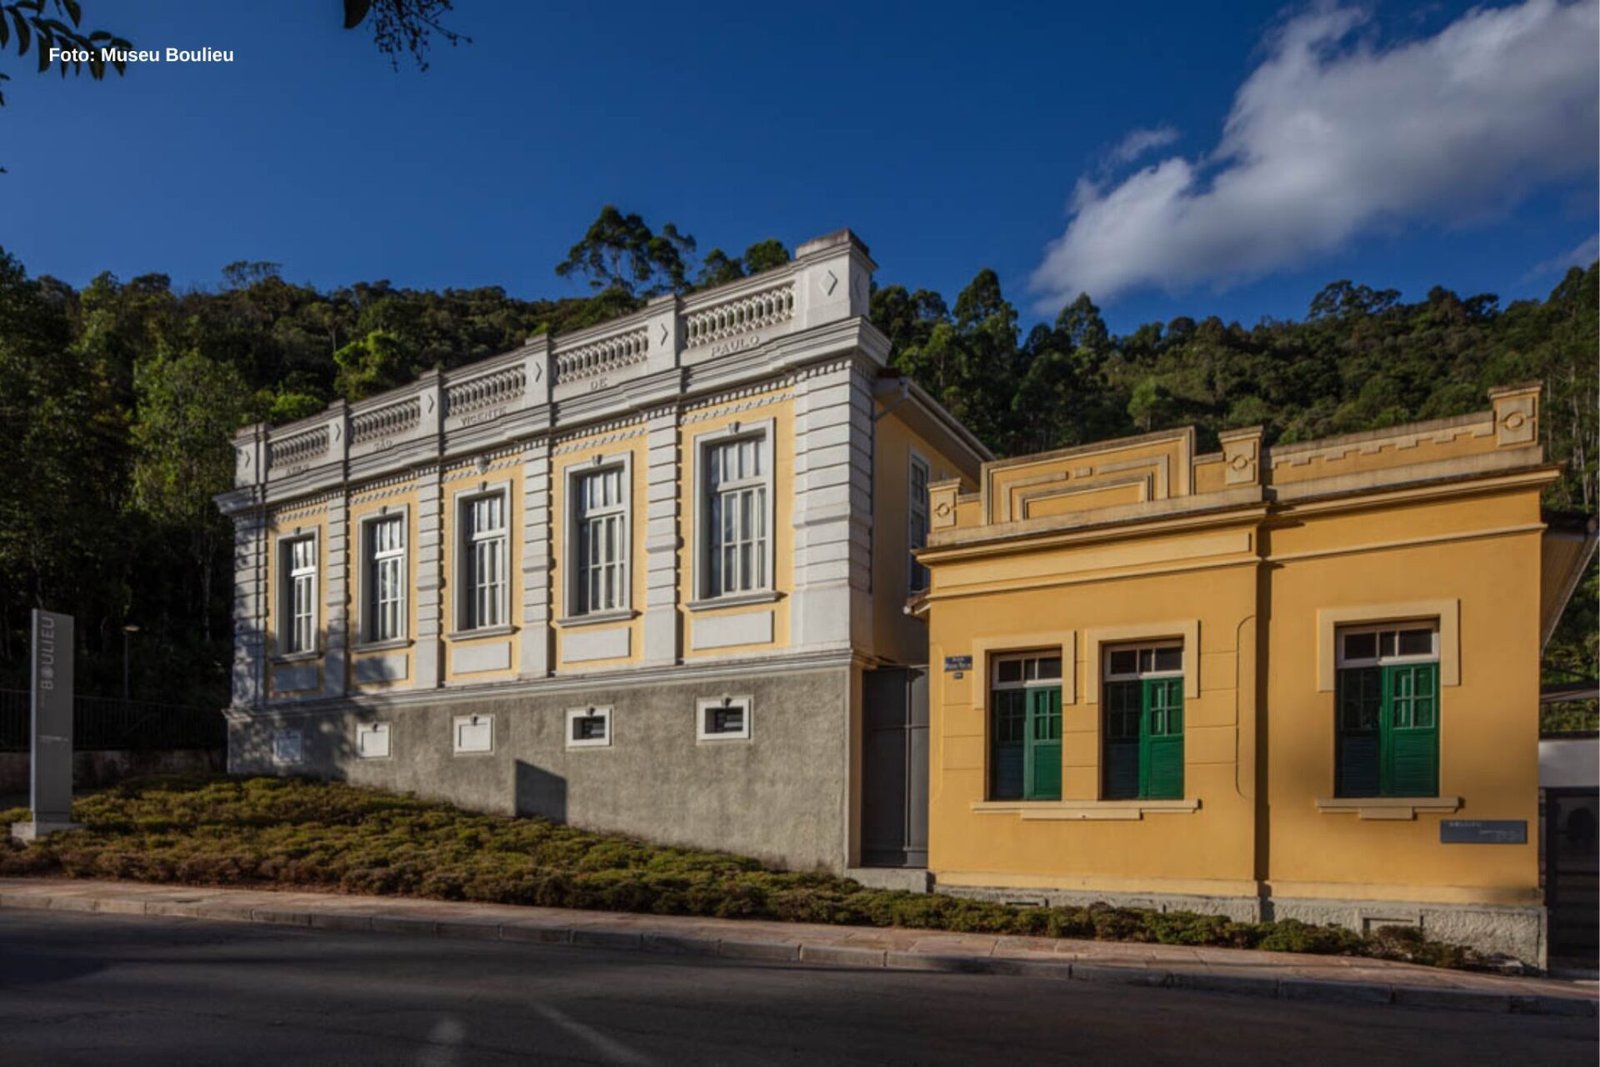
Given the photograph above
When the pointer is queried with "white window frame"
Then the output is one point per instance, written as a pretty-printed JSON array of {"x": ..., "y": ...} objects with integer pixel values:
[
  {"x": 1141, "y": 647},
  {"x": 705, "y": 705},
  {"x": 1025, "y": 658},
  {"x": 764, "y": 430},
  {"x": 288, "y": 748},
  {"x": 288, "y": 578},
  {"x": 599, "y": 712},
  {"x": 366, "y": 528},
  {"x": 457, "y": 722},
  {"x": 1380, "y": 660},
  {"x": 918, "y": 521},
  {"x": 468, "y": 620},
  {"x": 575, "y": 605},
  {"x": 378, "y": 728}
]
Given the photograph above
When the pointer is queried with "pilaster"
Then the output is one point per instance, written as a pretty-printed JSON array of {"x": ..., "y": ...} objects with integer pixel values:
[
  {"x": 336, "y": 605},
  {"x": 662, "y": 471},
  {"x": 249, "y": 607},
  {"x": 833, "y": 507},
  {"x": 536, "y": 570},
  {"x": 430, "y": 568}
]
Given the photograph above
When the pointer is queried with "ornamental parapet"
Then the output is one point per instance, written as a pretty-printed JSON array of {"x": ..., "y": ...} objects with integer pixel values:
[{"x": 655, "y": 354}]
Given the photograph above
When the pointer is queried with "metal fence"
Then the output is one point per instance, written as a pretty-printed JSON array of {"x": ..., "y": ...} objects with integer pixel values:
[{"x": 100, "y": 723}]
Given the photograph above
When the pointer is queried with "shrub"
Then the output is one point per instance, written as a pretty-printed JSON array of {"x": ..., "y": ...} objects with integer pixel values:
[{"x": 333, "y": 836}]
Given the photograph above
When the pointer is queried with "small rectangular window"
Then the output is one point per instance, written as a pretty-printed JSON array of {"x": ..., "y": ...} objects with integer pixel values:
[
  {"x": 372, "y": 740},
  {"x": 723, "y": 719},
  {"x": 287, "y": 746},
  {"x": 473, "y": 733},
  {"x": 1025, "y": 727},
  {"x": 588, "y": 727}
]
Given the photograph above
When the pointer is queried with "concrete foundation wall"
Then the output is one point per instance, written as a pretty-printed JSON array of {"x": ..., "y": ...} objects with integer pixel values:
[
  {"x": 1518, "y": 932},
  {"x": 780, "y": 796}
]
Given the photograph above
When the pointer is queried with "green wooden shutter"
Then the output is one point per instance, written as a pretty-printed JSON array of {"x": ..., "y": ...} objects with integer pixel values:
[
  {"x": 1360, "y": 710},
  {"x": 1161, "y": 762},
  {"x": 1043, "y": 765},
  {"x": 1008, "y": 718},
  {"x": 1119, "y": 770},
  {"x": 1411, "y": 730}
]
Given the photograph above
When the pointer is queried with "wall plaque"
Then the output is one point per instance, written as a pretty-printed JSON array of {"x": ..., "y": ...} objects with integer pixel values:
[{"x": 1483, "y": 831}]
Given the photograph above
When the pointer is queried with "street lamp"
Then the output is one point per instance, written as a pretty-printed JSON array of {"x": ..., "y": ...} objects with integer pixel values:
[{"x": 127, "y": 631}]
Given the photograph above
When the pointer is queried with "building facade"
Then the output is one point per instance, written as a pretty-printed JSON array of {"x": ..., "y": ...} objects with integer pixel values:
[
  {"x": 1298, "y": 681},
  {"x": 637, "y": 578}
]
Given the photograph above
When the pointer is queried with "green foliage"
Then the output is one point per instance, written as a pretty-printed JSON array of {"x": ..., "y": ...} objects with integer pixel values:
[
  {"x": 621, "y": 252},
  {"x": 370, "y": 365},
  {"x": 113, "y": 525},
  {"x": 331, "y": 836}
]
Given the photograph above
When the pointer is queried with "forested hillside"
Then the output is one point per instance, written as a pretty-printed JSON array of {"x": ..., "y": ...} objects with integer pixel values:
[{"x": 117, "y": 402}]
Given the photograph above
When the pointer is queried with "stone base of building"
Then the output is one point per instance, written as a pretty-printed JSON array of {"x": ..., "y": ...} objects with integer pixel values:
[
  {"x": 782, "y": 795},
  {"x": 1515, "y": 931}
]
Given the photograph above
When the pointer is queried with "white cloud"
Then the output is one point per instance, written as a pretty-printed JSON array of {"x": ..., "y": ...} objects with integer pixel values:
[
  {"x": 1138, "y": 142},
  {"x": 1586, "y": 252},
  {"x": 1329, "y": 138}
]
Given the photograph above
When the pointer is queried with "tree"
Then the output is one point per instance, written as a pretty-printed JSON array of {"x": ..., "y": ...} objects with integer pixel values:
[
  {"x": 621, "y": 252},
  {"x": 370, "y": 365},
  {"x": 403, "y": 26},
  {"x": 189, "y": 408}
]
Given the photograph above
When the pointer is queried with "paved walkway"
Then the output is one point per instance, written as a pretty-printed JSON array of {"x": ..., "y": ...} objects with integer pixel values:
[{"x": 1289, "y": 976}]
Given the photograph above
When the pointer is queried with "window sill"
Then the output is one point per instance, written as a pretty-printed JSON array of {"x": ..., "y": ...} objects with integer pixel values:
[
  {"x": 487, "y": 631},
  {"x": 1404, "y": 808},
  {"x": 734, "y": 600},
  {"x": 1084, "y": 810},
  {"x": 382, "y": 646},
  {"x": 594, "y": 618},
  {"x": 297, "y": 657}
]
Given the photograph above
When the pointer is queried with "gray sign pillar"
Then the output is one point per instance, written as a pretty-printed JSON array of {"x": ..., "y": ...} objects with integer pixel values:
[{"x": 51, "y": 682}]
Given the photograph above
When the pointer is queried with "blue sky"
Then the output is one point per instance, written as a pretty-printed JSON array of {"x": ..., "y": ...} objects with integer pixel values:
[{"x": 1402, "y": 145}]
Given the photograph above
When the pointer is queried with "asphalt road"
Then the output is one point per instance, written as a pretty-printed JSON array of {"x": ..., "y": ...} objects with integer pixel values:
[{"x": 96, "y": 989}]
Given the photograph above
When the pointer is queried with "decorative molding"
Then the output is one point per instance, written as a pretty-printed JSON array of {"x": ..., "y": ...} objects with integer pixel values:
[
  {"x": 706, "y": 414},
  {"x": 605, "y": 356},
  {"x": 721, "y": 322},
  {"x": 579, "y": 444},
  {"x": 500, "y": 387},
  {"x": 298, "y": 449},
  {"x": 391, "y": 420},
  {"x": 1387, "y": 808}
]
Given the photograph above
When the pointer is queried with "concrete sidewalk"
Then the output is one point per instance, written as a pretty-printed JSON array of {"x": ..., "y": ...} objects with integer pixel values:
[{"x": 1285, "y": 975}]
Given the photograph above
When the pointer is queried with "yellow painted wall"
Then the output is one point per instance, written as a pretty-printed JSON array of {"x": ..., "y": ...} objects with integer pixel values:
[
  {"x": 466, "y": 478},
  {"x": 1256, "y": 592},
  {"x": 896, "y": 636},
  {"x": 574, "y": 455},
  {"x": 365, "y": 506},
  {"x": 1488, "y": 723},
  {"x": 778, "y": 405},
  {"x": 294, "y": 520},
  {"x": 1207, "y": 850}
]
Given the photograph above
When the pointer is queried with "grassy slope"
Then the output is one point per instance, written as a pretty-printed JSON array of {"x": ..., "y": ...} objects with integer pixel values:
[{"x": 295, "y": 833}]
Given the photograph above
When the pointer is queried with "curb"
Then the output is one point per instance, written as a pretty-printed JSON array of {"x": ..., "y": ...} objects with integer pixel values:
[{"x": 352, "y": 919}]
